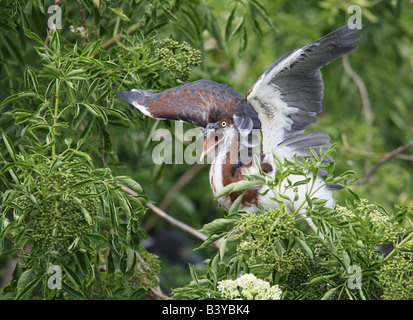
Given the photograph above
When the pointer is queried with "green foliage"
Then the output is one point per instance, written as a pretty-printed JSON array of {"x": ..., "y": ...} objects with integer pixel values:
[
  {"x": 62, "y": 211},
  {"x": 396, "y": 277},
  {"x": 67, "y": 143},
  {"x": 58, "y": 207},
  {"x": 171, "y": 52},
  {"x": 339, "y": 260}
]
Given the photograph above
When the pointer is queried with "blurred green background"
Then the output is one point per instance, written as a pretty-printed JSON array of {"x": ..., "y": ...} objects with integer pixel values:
[{"x": 367, "y": 107}]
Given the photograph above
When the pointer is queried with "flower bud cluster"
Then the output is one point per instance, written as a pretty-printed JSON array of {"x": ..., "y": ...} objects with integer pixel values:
[
  {"x": 178, "y": 58},
  {"x": 259, "y": 235},
  {"x": 58, "y": 212},
  {"x": 396, "y": 276}
]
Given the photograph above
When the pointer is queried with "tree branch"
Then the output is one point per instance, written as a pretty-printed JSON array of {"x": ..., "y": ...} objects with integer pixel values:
[
  {"x": 174, "y": 222},
  {"x": 363, "y": 153},
  {"x": 173, "y": 192},
  {"x": 116, "y": 38},
  {"x": 82, "y": 12},
  {"x": 368, "y": 115},
  {"x": 391, "y": 155}
]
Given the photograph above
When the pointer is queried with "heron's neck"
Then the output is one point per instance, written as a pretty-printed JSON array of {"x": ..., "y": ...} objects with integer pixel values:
[
  {"x": 227, "y": 165},
  {"x": 224, "y": 171}
]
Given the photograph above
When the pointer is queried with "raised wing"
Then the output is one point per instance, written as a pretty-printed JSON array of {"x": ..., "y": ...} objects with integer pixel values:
[
  {"x": 288, "y": 95},
  {"x": 198, "y": 102},
  {"x": 182, "y": 103}
]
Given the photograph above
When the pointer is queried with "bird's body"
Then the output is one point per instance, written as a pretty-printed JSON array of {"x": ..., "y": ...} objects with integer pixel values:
[{"x": 280, "y": 105}]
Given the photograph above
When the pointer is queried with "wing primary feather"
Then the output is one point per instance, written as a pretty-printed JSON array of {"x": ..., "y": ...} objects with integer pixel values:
[{"x": 288, "y": 95}]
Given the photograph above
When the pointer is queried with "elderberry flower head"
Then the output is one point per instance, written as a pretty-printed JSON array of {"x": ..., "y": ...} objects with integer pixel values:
[
  {"x": 249, "y": 287},
  {"x": 178, "y": 58}
]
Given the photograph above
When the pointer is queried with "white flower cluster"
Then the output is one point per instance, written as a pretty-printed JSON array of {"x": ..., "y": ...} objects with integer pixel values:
[
  {"x": 377, "y": 217},
  {"x": 343, "y": 211},
  {"x": 79, "y": 31},
  {"x": 249, "y": 287}
]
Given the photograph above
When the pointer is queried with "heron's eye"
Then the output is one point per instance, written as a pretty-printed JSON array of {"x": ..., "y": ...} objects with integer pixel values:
[{"x": 223, "y": 124}]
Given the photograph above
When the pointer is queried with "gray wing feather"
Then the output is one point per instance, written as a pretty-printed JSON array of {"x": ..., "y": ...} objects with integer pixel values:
[{"x": 289, "y": 93}]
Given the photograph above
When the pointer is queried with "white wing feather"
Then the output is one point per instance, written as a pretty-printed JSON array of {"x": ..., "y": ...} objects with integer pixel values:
[{"x": 288, "y": 95}]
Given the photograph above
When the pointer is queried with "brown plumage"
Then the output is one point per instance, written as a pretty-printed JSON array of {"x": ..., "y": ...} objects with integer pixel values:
[{"x": 281, "y": 104}]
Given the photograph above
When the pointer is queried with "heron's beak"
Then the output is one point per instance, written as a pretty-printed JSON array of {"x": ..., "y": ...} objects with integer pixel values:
[{"x": 213, "y": 138}]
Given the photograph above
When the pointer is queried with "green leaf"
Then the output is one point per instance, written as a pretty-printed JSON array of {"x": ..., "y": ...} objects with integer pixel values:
[
  {"x": 302, "y": 182},
  {"x": 30, "y": 79},
  {"x": 9, "y": 146},
  {"x": 169, "y": 15},
  {"x": 244, "y": 40},
  {"x": 72, "y": 276},
  {"x": 82, "y": 183},
  {"x": 120, "y": 14},
  {"x": 25, "y": 94},
  {"x": 322, "y": 277},
  {"x": 113, "y": 215},
  {"x": 24, "y": 286},
  {"x": 131, "y": 261},
  {"x": 72, "y": 291},
  {"x": 211, "y": 239},
  {"x": 237, "y": 186},
  {"x": 82, "y": 261},
  {"x": 329, "y": 294},
  {"x": 262, "y": 12},
  {"x": 305, "y": 246},
  {"x": 355, "y": 195},
  {"x": 230, "y": 20},
  {"x": 235, "y": 206},
  {"x": 86, "y": 134},
  {"x": 223, "y": 248},
  {"x": 96, "y": 111},
  {"x": 110, "y": 263},
  {"x": 56, "y": 164},
  {"x": 97, "y": 238},
  {"x": 218, "y": 226},
  {"x": 92, "y": 87},
  {"x": 117, "y": 113},
  {"x": 76, "y": 74},
  {"x": 193, "y": 273},
  {"x": 346, "y": 259},
  {"x": 55, "y": 72},
  {"x": 86, "y": 213},
  {"x": 25, "y": 278},
  {"x": 55, "y": 41},
  {"x": 308, "y": 198},
  {"x": 126, "y": 207},
  {"x": 33, "y": 36},
  {"x": 91, "y": 48},
  {"x": 129, "y": 182},
  {"x": 8, "y": 229}
]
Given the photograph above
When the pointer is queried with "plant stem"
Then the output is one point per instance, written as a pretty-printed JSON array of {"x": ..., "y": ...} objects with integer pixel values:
[
  {"x": 396, "y": 247},
  {"x": 158, "y": 61},
  {"x": 55, "y": 117}
]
